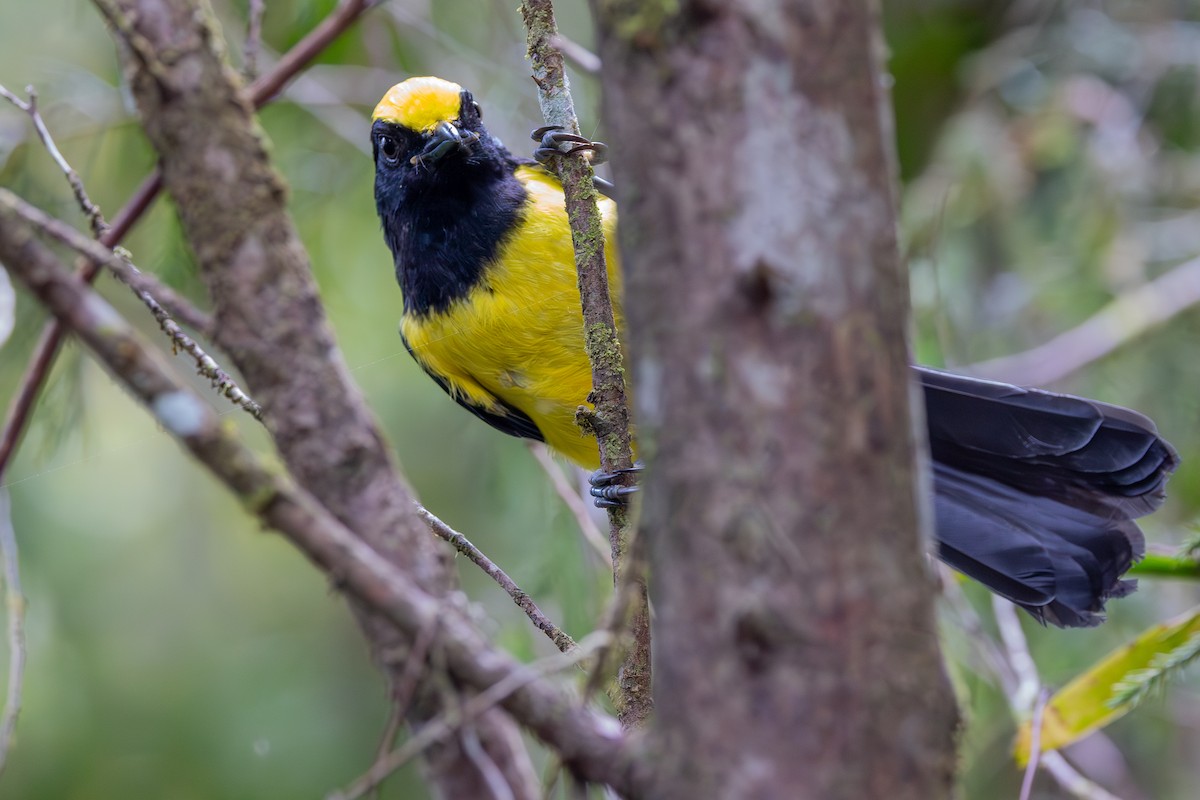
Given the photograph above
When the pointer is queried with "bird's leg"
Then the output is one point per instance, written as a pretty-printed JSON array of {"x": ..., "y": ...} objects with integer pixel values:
[
  {"x": 553, "y": 142},
  {"x": 605, "y": 490}
]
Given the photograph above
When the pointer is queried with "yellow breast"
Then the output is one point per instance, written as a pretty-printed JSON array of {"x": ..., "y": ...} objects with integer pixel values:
[{"x": 518, "y": 336}]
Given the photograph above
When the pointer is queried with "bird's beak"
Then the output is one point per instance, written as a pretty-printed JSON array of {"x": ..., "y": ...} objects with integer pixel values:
[{"x": 445, "y": 139}]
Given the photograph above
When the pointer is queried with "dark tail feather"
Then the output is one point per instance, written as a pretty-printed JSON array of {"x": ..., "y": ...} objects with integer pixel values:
[{"x": 1035, "y": 493}]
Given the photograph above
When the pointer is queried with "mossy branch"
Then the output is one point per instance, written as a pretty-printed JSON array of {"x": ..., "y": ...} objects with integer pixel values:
[{"x": 610, "y": 420}]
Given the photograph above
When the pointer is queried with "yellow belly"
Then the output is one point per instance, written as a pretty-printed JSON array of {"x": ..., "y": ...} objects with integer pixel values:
[{"x": 518, "y": 337}]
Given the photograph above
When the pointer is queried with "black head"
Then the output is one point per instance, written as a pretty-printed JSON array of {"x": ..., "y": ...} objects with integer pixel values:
[
  {"x": 428, "y": 130},
  {"x": 444, "y": 190}
]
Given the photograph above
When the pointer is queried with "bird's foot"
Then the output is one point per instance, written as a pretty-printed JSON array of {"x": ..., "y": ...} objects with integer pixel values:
[
  {"x": 607, "y": 492},
  {"x": 553, "y": 141}
]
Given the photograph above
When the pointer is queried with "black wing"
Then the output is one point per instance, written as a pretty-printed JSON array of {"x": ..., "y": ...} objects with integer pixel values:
[{"x": 1035, "y": 492}]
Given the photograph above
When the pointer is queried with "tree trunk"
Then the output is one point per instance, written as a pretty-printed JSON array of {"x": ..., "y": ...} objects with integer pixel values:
[
  {"x": 796, "y": 650},
  {"x": 231, "y": 203}
]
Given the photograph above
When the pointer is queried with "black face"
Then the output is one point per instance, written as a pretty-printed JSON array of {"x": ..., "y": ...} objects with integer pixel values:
[{"x": 446, "y": 198}]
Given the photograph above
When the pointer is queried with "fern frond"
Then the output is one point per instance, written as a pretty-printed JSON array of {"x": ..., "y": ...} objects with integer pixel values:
[{"x": 1142, "y": 684}]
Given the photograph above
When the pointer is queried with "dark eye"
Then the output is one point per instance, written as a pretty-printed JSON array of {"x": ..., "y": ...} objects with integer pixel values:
[{"x": 390, "y": 149}]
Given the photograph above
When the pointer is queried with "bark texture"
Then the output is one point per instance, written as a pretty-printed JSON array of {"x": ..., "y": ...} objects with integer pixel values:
[
  {"x": 610, "y": 421},
  {"x": 270, "y": 321},
  {"x": 796, "y": 650}
]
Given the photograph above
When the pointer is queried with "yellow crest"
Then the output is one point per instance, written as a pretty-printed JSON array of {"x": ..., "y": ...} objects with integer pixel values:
[{"x": 419, "y": 104}]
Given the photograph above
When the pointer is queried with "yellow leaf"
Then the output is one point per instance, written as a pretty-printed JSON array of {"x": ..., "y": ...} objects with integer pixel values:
[{"x": 1083, "y": 705}]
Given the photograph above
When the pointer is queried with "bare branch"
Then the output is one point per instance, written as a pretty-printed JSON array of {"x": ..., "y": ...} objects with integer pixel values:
[
  {"x": 628, "y": 595},
  {"x": 1035, "y": 746},
  {"x": 1124, "y": 319},
  {"x": 1029, "y": 684},
  {"x": 577, "y": 54},
  {"x": 1072, "y": 780},
  {"x": 90, "y": 209},
  {"x": 1025, "y": 697},
  {"x": 449, "y": 722},
  {"x": 253, "y": 38},
  {"x": 497, "y": 786},
  {"x": 463, "y": 545},
  {"x": 38, "y": 369},
  {"x": 1016, "y": 674},
  {"x": 610, "y": 422},
  {"x": 346, "y": 14},
  {"x": 260, "y": 92},
  {"x": 137, "y": 280},
  {"x": 573, "y": 501},
  {"x": 588, "y": 742},
  {"x": 233, "y": 211},
  {"x": 403, "y": 688},
  {"x": 988, "y": 658},
  {"x": 140, "y": 282}
]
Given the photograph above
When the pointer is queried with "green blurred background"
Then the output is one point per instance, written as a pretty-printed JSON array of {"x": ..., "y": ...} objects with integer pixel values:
[{"x": 1050, "y": 153}]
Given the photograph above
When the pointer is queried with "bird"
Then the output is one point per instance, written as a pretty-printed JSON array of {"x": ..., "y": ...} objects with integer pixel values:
[{"x": 1034, "y": 493}]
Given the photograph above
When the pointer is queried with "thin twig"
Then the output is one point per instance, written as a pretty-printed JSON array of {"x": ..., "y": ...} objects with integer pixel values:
[
  {"x": 1016, "y": 647},
  {"x": 463, "y": 545},
  {"x": 610, "y": 421},
  {"x": 166, "y": 299},
  {"x": 404, "y": 692},
  {"x": 572, "y": 500},
  {"x": 90, "y": 209},
  {"x": 1124, "y": 319},
  {"x": 616, "y": 622},
  {"x": 175, "y": 305},
  {"x": 260, "y": 92},
  {"x": 404, "y": 688},
  {"x": 347, "y": 12},
  {"x": 585, "y": 60},
  {"x": 483, "y": 763},
  {"x": 1035, "y": 745},
  {"x": 14, "y": 602},
  {"x": 1023, "y": 697},
  {"x": 989, "y": 657},
  {"x": 1072, "y": 780},
  {"x": 124, "y": 269},
  {"x": 253, "y": 38},
  {"x": 38, "y": 368},
  {"x": 446, "y": 724}
]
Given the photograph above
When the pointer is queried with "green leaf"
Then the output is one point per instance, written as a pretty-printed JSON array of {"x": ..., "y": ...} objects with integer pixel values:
[{"x": 1115, "y": 684}]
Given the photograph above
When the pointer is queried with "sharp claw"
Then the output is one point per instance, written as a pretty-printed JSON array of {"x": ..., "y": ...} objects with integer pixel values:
[
  {"x": 541, "y": 132},
  {"x": 613, "y": 496},
  {"x": 602, "y": 478},
  {"x": 553, "y": 140},
  {"x": 605, "y": 491}
]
